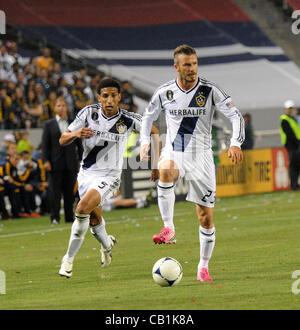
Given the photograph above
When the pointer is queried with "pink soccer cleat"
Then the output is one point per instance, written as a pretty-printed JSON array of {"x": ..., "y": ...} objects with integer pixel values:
[
  {"x": 203, "y": 275},
  {"x": 166, "y": 236}
]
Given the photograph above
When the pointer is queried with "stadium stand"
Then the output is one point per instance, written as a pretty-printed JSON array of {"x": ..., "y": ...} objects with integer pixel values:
[{"x": 134, "y": 41}]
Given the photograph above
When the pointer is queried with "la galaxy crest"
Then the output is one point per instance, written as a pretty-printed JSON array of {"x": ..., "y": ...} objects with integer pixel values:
[
  {"x": 95, "y": 116},
  {"x": 200, "y": 100},
  {"x": 121, "y": 127},
  {"x": 170, "y": 95}
]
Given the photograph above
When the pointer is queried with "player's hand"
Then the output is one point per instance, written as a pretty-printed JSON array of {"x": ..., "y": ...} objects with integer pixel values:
[
  {"x": 144, "y": 153},
  {"x": 235, "y": 154},
  {"x": 154, "y": 174},
  {"x": 85, "y": 133}
]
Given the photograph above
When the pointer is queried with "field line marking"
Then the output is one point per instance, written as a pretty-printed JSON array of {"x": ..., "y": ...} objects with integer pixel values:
[
  {"x": 113, "y": 221},
  {"x": 117, "y": 221}
]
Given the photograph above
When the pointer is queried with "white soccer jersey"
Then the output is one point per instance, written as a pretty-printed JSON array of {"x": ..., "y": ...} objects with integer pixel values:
[
  {"x": 189, "y": 115},
  {"x": 103, "y": 153}
]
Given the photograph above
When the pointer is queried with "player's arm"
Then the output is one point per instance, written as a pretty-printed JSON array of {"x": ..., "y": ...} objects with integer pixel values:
[
  {"x": 151, "y": 114},
  {"x": 156, "y": 148},
  {"x": 224, "y": 104},
  {"x": 68, "y": 136},
  {"x": 156, "y": 145},
  {"x": 77, "y": 129}
]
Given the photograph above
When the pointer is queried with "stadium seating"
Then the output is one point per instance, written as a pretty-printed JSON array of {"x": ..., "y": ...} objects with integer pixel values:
[{"x": 135, "y": 41}]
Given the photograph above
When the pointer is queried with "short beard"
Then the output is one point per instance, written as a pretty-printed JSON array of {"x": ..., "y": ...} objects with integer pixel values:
[{"x": 185, "y": 79}]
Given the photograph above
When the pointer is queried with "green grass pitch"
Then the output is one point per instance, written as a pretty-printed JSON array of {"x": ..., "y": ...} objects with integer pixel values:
[{"x": 257, "y": 250}]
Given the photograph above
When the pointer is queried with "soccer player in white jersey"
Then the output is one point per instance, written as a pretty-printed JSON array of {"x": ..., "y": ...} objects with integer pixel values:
[
  {"x": 189, "y": 103},
  {"x": 104, "y": 129}
]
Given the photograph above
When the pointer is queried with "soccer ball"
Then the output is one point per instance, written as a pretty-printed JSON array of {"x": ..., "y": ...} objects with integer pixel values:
[{"x": 167, "y": 271}]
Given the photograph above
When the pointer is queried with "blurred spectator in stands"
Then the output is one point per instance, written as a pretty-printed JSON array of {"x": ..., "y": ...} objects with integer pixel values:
[
  {"x": 45, "y": 61},
  {"x": 7, "y": 115},
  {"x": 32, "y": 70},
  {"x": 27, "y": 170},
  {"x": 16, "y": 68},
  {"x": 127, "y": 102},
  {"x": 53, "y": 82},
  {"x": 17, "y": 135},
  {"x": 63, "y": 90},
  {"x": 43, "y": 79},
  {"x": 40, "y": 92},
  {"x": 12, "y": 48},
  {"x": 21, "y": 80},
  {"x": 19, "y": 105},
  {"x": 30, "y": 86},
  {"x": 92, "y": 89},
  {"x": 11, "y": 147},
  {"x": 290, "y": 138},
  {"x": 12, "y": 183},
  {"x": 7, "y": 140},
  {"x": 34, "y": 110},
  {"x": 6, "y": 63},
  {"x": 37, "y": 153},
  {"x": 56, "y": 71},
  {"x": 83, "y": 75},
  {"x": 28, "y": 72},
  {"x": 80, "y": 99},
  {"x": 24, "y": 144},
  {"x": 249, "y": 137},
  {"x": 11, "y": 87},
  {"x": 12, "y": 121},
  {"x": 48, "y": 106},
  {"x": 41, "y": 179},
  {"x": 61, "y": 162},
  {"x": 41, "y": 182}
]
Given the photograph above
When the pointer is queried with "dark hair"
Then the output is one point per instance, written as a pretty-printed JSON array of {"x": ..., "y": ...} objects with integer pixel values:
[
  {"x": 24, "y": 152},
  {"x": 184, "y": 49},
  {"x": 247, "y": 115},
  {"x": 108, "y": 82}
]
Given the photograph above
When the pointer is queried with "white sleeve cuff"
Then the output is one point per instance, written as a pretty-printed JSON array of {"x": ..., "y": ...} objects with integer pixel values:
[
  {"x": 235, "y": 143},
  {"x": 144, "y": 140}
]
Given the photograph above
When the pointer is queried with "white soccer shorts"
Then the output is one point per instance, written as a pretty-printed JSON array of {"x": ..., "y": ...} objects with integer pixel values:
[
  {"x": 198, "y": 169},
  {"x": 105, "y": 185}
]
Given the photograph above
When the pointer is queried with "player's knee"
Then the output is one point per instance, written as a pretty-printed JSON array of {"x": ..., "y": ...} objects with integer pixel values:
[
  {"x": 204, "y": 218},
  {"x": 168, "y": 171},
  {"x": 166, "y": 175},
  {"x": 83, "y": 207}
]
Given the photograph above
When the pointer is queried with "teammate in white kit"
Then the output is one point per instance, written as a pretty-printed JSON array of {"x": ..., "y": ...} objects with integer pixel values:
[
  {"x": 189, "y": 103},
  {"x": 104, "y": 129}
]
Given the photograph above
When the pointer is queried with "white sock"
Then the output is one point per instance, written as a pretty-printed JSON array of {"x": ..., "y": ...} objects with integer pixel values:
[
  {"x": 78, "y": 231},
  {"x": 207, "y": 242},
  {"x": 99, "y": 232},
  {"x": 166, "y": 200},
  {"x": 140, "y": 202}
]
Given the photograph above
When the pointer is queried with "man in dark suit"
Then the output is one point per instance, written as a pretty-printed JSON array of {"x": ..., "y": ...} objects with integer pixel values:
[{"x": 61, "y": 162}]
